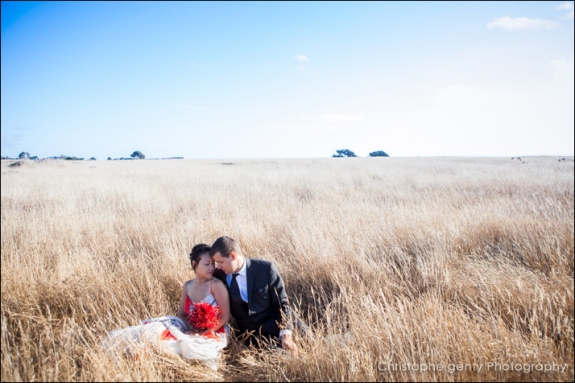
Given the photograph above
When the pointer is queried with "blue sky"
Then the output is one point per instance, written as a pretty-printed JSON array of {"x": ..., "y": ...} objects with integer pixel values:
[{"x": 287, "y": 79}]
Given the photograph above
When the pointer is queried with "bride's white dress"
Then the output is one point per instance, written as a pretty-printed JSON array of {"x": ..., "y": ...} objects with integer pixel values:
[{"x": 167, "y": 332}]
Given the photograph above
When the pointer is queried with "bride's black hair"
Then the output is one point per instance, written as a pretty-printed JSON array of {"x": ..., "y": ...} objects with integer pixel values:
[{"x": 197, "y": 252}]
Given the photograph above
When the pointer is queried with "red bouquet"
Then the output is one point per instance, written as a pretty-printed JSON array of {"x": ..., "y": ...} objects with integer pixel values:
[{"x": 204, "y": 316}]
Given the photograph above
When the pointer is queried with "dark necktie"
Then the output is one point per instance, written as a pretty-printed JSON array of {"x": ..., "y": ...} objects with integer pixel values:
[
  {"x": 234, "y": 288},
  {"x": 239, "y": 308}
]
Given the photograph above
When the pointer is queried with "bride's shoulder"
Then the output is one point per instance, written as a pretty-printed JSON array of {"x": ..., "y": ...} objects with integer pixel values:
[{"x": 218, "y": 285}]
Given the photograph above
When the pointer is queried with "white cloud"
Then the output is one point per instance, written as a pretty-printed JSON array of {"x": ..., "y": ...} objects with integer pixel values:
[
  {"x": 566, "y": 6},
  {"x": 301, "y": 58},
  {"x": 513, "y": 23},
  {"x": 487, "y": 121}
]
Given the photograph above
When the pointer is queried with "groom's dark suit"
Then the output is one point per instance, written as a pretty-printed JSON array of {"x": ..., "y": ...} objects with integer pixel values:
[{"x": 267, "y": 300}]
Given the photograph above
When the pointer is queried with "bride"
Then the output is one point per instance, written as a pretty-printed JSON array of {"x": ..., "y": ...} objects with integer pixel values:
[{"x": 200, "y": 330}]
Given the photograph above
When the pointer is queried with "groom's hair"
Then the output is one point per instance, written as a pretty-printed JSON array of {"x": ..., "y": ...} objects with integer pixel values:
[{"x": 225, "y": 245}]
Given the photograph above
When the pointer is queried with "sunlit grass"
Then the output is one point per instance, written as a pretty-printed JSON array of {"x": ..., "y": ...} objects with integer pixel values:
[{"x": 394, "y": 262}]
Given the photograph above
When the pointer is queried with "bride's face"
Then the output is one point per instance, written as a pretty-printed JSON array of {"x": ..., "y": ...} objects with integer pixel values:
[{"x": 206, "y": 266}]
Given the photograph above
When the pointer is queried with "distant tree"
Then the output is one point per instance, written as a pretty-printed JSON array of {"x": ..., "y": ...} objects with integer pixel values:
[
  {"x": 344, "y": 153},
  {"x": 92, "y": 158},
  {"x": 137, "y": 154},
  {"x": 379, "y": 153},
  {"x": 109, "y": 158},
  {"x": 71, "y": 158},
  {"x": 24, "y": 155}
]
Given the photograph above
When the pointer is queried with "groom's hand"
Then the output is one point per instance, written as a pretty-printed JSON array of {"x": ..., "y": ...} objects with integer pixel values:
[{"x": 288, "y": 344}]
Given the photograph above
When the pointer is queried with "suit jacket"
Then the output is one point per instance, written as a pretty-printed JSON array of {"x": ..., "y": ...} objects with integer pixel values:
[{"x": 267, "y": 298}]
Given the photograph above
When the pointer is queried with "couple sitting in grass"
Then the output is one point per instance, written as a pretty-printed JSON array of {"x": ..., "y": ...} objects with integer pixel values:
[{"x": 226, "y": 284}]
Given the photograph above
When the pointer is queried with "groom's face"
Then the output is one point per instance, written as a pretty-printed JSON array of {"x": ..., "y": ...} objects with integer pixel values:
[{"x": 226, "y": 264}]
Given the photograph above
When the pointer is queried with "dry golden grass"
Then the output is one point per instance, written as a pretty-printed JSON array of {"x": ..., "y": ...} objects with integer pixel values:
[{"x": 398, "y": 264}]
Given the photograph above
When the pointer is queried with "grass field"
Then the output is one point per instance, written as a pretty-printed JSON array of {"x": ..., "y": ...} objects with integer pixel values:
[{"x": 409, "y": 269}]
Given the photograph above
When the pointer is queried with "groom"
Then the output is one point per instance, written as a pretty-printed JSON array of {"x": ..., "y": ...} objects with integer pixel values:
[{"x": 257, "y": 295}]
